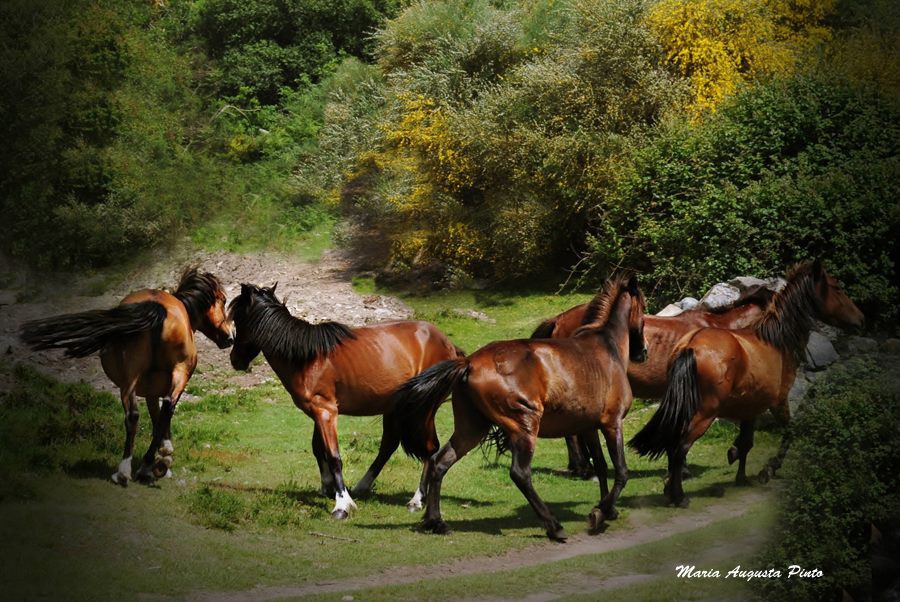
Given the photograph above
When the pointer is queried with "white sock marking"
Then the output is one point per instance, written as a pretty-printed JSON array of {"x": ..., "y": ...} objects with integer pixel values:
[
  {"x": 343, "y": 501},
  {"x": 416, "y": 502}
]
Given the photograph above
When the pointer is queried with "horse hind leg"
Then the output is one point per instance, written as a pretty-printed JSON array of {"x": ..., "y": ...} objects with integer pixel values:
[
  {"x": 432, "y": 444},
  {"x": 129, "y": 405},
  {"x": 579, "y": 463},
  {"x": 674, "y": 491},
  {"x": 152, "y": 469},
  {"x": 390, "y": 441},
  {"x": 166, "y": 449},
  {"x": 470, "y": 428},
  {"x": 522, "y": 448},
  {"x": 742, "y": 446}
]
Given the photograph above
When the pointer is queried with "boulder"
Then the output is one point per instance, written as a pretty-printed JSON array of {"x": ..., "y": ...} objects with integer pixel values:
[
  {"x": 688, "y": 303},
  {"x": 861, "y": 345},
  {"x": 720, "y": 295},
  {"x": 742, "y": 283},
  {"x": 798, "y": 391},
  {"x": 670, "y": 310},
  {"x": 819, "y": 352}
]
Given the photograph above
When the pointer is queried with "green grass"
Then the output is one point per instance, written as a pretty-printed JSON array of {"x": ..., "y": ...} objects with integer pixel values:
[{"x": 243, "y": 508}]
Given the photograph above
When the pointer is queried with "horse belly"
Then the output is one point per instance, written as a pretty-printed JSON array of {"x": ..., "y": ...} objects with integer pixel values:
[{"x": 563, "y": 424}]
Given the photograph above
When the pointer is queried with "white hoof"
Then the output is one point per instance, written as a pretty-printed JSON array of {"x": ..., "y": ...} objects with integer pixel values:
[
  {"x": 120, "y": 479},
  {"x": 343, "y": 502},
  {"x": 123, "y": 474},
  {"x": 166, "y": 448},
  {"x": 415, "y": 504}
]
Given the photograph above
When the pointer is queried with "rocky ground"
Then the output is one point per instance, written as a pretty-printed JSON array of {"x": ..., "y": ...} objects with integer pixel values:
[{"x": 315, "y": 291}]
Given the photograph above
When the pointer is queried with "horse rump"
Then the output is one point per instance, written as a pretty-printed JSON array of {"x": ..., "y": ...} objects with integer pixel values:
[
  {"x": 88, "y": 332},
  {"x": 417, "y": 400},
  {"x": 678, "y": 406}
]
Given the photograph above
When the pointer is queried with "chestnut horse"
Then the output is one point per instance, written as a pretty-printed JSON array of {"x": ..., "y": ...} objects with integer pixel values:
[
  {"x": 330, "y": 369},
  {"x": 147, "y": 348},
  {"x": 739, "y": 374},
  {"x": 648, "y": 379},
  {"x": 539, "y": 387}
]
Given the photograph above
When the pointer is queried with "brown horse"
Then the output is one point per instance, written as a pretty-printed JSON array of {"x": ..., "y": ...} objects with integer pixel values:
[
  {"x": 739, "y": 374},
  {"x": 648, "y": 379},
  {"x": 147, "y": 348},
  {"x": 330, "y": 369},
  {"x": 549, "y": 388}
]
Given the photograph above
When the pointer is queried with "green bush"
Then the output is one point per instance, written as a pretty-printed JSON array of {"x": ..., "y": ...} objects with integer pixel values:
[
  {"x": 785, "y": 171},
  {"x": 842, "y": 475}
]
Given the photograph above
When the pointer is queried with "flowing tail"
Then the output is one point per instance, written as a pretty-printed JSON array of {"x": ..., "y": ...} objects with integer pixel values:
[
  {"x": 678, "y": 406},
  {"x": 417, "y": 401},
  {"x": 85, "y": 333}
]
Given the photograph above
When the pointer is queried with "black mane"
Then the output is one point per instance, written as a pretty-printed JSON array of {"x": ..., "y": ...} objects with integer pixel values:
[
  {"x": 271, "y": 327},
  {"x": 790, "y": 315},
  {"x": 198, "y": 291}
]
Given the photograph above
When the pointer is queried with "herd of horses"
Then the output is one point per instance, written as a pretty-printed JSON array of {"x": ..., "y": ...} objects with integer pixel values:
[{"x": 575, "y": 377}]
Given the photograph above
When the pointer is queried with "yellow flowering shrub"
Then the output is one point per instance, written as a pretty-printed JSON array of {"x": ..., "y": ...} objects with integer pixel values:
[{"x": 719, "y": 44}]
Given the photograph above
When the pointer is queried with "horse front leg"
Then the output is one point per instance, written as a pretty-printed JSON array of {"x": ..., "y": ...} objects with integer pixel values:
[
  {"x": 326, "y": 422},
  {"x": 318, "y": 447},
  {"x": 615, "y": 443},
  {"x": 742, "y": 446},
  {"x": 129, "y": 405}
]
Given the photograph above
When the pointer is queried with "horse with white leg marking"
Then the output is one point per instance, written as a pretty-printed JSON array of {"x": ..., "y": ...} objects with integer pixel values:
[
  {"x": 530, "y": 388},
  {"x": 331, "y": 369},
  {"x": 147, "y": 348}
]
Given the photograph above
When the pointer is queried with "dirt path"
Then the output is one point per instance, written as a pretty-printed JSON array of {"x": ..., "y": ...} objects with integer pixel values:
[
  {"x": 315, "y": 291},
  {"x": 540, "y": 554}
]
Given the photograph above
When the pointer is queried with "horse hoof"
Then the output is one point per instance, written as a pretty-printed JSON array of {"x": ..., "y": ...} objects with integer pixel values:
[
  {"x": 146, "y": 474},
  {"x": 120, "y": 479},
  {"x": 436, "y": 526},
  {"x": 414, "y": 506},
  {"x": 166, "y": 448},
  {"x": 732, "y": 454},
  {"x": 161, "y": 467},
  {"x": 595, "y": 520},
  {"x": 340, "y": 515},
  {"x": 557, "y": 534}
]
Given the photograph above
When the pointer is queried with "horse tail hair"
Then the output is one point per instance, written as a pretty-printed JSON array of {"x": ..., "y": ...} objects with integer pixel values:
[
  {"x": 417, "y": 400},
  {"x": 88, "y": 332},
  {"x": 678, "y": 406},
  {"x": 544, "y": 330}
]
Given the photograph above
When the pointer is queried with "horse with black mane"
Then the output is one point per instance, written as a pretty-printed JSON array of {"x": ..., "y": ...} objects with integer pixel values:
[
  {"x": 648, "y": 379},
  {"x": 739, "y": 374},
  {"x": 147, "y": 348},
  {"x": 530, "y": 388},
  {"x": 331, "y": 369}
]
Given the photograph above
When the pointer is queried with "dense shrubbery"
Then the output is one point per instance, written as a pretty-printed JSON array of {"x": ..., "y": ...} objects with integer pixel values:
[
  {"x": 786, "y": 170},
  {"x": 842, "y": 477}
]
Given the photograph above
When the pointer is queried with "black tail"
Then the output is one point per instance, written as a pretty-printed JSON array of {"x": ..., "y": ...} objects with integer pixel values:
[
  {"x": 544, "y": 329},
  {"x": 87, "y": 332},
  {"x": 678, "y": 406},
  {"x": 417, "y": 400}
]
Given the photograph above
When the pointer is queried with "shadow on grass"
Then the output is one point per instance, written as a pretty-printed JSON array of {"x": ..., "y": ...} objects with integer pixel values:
[{"x": 523, "y": 516}]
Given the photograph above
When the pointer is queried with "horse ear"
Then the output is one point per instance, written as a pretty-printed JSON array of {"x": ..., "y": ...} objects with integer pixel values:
[
  {"x": 818, "y": 270},
  {"x": 633, "y": 285},
  {"x": 245, "y": 288},
  {"x": 274, "y": 286}
]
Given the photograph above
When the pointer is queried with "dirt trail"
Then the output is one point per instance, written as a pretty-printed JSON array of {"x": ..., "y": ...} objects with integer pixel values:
[
  {"x": 315, "y": 291},
  {"x": 544, "y": 553}
]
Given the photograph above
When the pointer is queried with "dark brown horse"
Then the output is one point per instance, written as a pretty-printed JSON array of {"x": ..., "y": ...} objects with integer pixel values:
[
  {"x": 147, "y": 348},
  {"x": 330, "y": 369},
  {"x": 648, "y": 379},
  {"x": 739, "y": 374},
  {"x": 549, "y": 388}
]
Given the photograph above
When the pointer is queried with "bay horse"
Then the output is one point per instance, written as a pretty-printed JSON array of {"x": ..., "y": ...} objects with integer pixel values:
[
  {"x": 147, "y": 349},
  {"x": 529, "y": 388},
  {"x": 739, "y": 374},
  {"x": 331, "y": 369},
  {"x": 649, "y": 379}
]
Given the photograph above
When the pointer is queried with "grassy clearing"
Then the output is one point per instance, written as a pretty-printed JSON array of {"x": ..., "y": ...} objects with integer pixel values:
[{"x": 244, "y": 509}]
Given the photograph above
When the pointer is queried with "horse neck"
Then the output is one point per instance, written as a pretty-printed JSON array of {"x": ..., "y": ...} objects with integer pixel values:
[
  {"x": 789, "y": 319},
  {"x": 616, "y": 327}
]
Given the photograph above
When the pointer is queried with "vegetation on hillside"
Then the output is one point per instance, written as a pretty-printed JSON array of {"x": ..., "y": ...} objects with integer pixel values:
[{"x": 477, "y": 139}]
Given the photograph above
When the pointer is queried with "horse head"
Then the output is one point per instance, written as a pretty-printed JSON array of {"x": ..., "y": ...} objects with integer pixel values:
[{"x": 835, "y": 307}]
